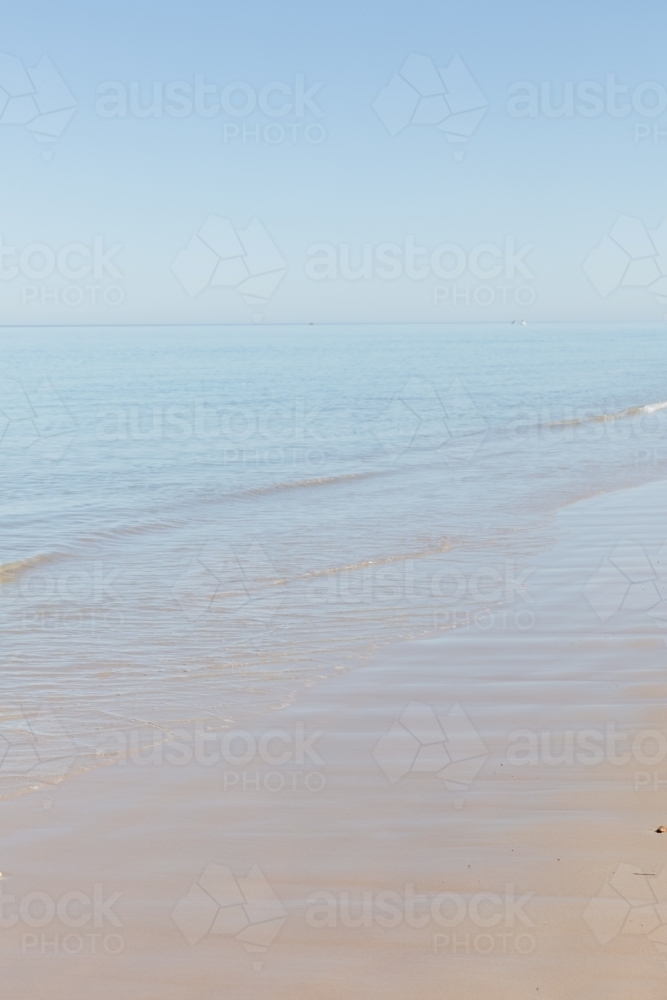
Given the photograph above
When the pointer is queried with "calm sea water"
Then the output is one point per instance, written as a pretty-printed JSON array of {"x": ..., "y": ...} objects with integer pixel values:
[{"x": 198, "y": 522}]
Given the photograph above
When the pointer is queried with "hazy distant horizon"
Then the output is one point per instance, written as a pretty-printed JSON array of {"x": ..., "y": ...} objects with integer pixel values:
[{"x": 487, "y": 194}]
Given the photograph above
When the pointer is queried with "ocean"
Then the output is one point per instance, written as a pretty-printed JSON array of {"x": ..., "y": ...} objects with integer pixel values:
[{"x": 197, "y": 522}]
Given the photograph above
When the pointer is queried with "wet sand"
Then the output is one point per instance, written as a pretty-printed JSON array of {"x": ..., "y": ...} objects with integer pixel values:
[{"x": 470, "y": 815}]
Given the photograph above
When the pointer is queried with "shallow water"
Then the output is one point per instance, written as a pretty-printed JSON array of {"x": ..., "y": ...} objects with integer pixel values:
[
  {"x": 500, "y": 789},
  {"x": 198, "y": 522}
]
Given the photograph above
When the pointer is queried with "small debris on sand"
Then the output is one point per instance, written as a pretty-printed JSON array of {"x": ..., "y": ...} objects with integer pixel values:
[{"x": 661, "y": 829}]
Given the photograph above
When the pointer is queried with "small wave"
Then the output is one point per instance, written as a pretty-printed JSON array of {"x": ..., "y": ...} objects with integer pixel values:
[
  {"x": 600, "y": 418},
  {"x": 299, "y": 484},
  {"x": 444, "y": 546},
  {"x": 9, "y": 571},
  {"x": 652, "y": 407},
  {"x": 136, "y": 528}
]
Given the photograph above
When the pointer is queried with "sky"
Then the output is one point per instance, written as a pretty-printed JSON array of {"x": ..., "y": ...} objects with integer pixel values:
[{"x": 224, "y": 163}]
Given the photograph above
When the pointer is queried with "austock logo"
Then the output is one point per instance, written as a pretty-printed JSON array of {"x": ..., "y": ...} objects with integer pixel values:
[
  {"x": 631, "y": 582},
  {"x": 37, "y": 421},
  {"x": 266, "y": 111},
  {"x": 36, "y": 98},
  {"x": 630, "y": 256},
  {"x": 484, "y": 924},
  {"x": 421, "y": 94},
  {"x": 420, "y": 741},
  {"x": 65, "y": 915},
  {"x": 219, "y": 256},
  {"x": 218, "y": 903},
  {"x": 420, "y": 419},
  {"x": 35, "y": 749},
  {"x": 244, "y": 586},
  {"x": 80, "y": 274},
  {"x": 587, "y": 99},
  {"x": 631, "y": 902}
]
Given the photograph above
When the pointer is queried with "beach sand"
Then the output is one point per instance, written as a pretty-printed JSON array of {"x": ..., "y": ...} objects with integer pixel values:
[{"x": 373, "y": 862}]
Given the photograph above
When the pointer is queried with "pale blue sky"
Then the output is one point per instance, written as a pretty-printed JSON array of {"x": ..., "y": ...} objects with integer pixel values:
[{"x": 149, "y": 184}]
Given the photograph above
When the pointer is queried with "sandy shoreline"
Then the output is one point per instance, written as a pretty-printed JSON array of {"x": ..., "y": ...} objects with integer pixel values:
[{"x": 458, "y": 850}]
